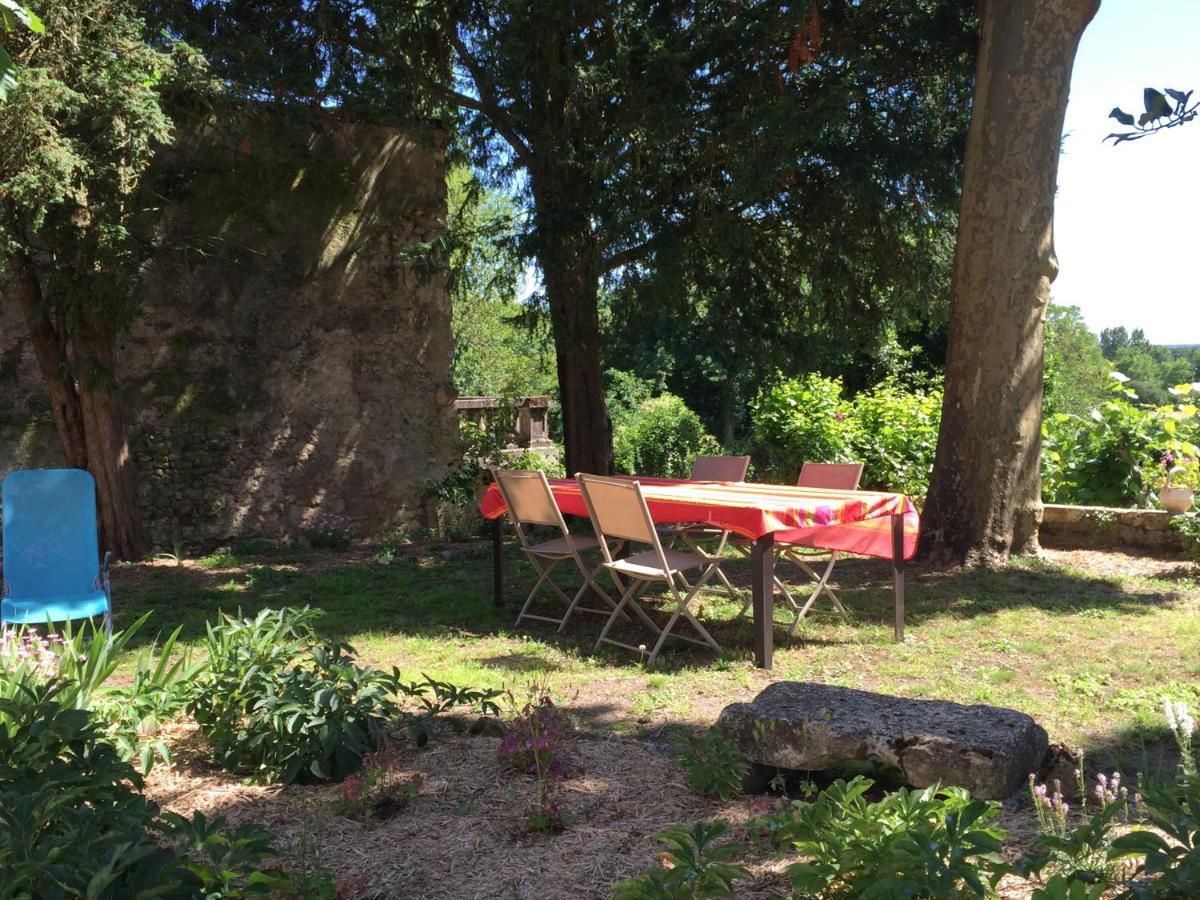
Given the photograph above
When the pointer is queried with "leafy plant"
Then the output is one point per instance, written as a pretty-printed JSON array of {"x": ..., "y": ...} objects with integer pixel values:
[
  {"x": 435, "y": 697},
  {"x": 536, "y": 743},
  {"x": 135, "y": 714},
  {"x": 278, "y": 702},
  {"x": 83, "y": 660},
  {"x": 1171, "y": 858},
  {"x": 693, "y": 865},
  {"x": 73, "y": 822},
  {"x": 380, "y": 789},
  {"x": 798, "y": 420},
  {"x": 224, "y": 863},
  {"x": 661, "y": 437},
  {"x": 894, "y": 432},
  {"x": 928, "y": 843},
  {"x": 713, "y": 765}
]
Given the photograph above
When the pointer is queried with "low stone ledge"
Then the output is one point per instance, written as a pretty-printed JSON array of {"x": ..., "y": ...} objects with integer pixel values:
[
  {"x": 989, "y": 750},
  {"x": 1103, "y": 528}
]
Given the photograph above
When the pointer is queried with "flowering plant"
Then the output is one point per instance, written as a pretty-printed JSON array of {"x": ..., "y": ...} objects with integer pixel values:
[
  {"x": 1183, "y": 728},
  {"x": 536, "y": 744},
  {"x": 27, "y": 650},
  {"x": 1177, "y": 470},
  {"x": 380, "y": 789},
  {"x": 537, "y": 740}
]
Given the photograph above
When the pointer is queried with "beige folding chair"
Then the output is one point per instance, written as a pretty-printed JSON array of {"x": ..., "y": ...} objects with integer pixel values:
[
  {"x": 826, "y": 476},
  {"x": 708, "y": 468},
  {"x": 619, "y": 511},
  {"x": 530, "y": 502}
]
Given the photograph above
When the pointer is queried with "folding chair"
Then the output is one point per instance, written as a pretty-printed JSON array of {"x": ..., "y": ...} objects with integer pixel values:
[
  {"x": 618, "y": 510},
  {"x": 530, "y": 502},
  {"x": 708, "y": 468},
  {"x": 800, "y": 552},
  {"x": 52, "y": 566}
]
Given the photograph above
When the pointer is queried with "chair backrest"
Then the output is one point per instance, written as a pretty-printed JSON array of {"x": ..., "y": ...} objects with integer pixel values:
[
  {"x": 50, "y": 542},
  {"x": 720, "y": 468},
  {"x": 618, "y": 509},
  {"x": 830, "y": 476},
  {"x": 528, "y": 497}
]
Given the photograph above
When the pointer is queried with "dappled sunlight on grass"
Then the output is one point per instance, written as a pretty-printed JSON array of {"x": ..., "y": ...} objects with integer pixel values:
[{"x": 1086, "y": 650}]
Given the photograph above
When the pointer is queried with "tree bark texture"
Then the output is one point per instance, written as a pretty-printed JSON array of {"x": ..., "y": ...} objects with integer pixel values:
[
  {"x": 86, "y": 411},
  {"x": 984, "y": 498},
  {"x": 51, "y": 351},
  {"x": 569, "y": 253}
]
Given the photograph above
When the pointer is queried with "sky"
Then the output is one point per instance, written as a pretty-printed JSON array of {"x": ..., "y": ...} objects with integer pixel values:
[{"x": 1127, "y": 217}]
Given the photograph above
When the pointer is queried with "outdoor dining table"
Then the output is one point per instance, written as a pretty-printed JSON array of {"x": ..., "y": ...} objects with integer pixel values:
[{"x": 867, "y": 523}]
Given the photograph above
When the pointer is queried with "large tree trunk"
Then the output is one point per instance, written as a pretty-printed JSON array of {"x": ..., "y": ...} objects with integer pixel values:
[
  {"x": 569, "y": 257},
  {"x": 587, "y": 429},
  {"x": 108, "y": 459},
  {"x": 984, "y": 498},
  {"x": 50, "y": 349},
  {"x": 86, "y": 412}
]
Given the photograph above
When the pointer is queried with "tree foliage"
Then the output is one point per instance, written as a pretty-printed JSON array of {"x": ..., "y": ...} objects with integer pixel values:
[
  {"x": 81, "y": 128},
  {"x": 762, "y": 168},
  {"x": 1163, "y": 110},
  {"x": 1076, "y": 371},
  {"x": 14, "y": 17}
]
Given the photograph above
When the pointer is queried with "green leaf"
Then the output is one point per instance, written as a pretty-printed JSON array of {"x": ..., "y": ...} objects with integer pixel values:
[
  {"x": 1179, "y": 96},
  {"x": 1157, "y": 106},
  {"x": 1121, "y": 116},
  {"x": 8, "y": 74}
]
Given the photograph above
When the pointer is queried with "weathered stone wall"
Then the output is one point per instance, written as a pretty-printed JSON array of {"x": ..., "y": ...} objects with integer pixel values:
[
  {"x": 290, "y": 360},
  {"x": 1101, "y": 528}
]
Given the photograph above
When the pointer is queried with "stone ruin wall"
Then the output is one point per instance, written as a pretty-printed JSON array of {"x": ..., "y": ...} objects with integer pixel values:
[{"x": 291, "y": 359}]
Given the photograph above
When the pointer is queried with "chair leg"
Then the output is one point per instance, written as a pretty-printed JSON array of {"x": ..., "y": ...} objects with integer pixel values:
[
  {"x": 681, "y": 610},
  {"x": 626, "y": 598},
  {"x": 822, "y": 586},
  {"x": 589, "y": 581},
  {"x": 543, "y": 575}
]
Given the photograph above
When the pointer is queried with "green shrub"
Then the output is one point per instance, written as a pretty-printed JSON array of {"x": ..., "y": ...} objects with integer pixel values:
[
  {"x": 63, "y": 790},
  {"x": 713, "y": 765},
  {"x": 279, "y": 703},
  {"x": 661, "y": 437},
  {"x": 891, "y": 429},
  {"x": 1172, "y": 857},
  {"x": 82, "y": 660},
  {"x": 73, "y": 822},
  {"x": 698, "y": 867},
  {"x": 929, "y": 843},
  {"x": 798, "y": 420},
  {"x": 1113, "y": 457},
  {"x": 456, "y": 495},
  {"x": 894, "y": 434}
]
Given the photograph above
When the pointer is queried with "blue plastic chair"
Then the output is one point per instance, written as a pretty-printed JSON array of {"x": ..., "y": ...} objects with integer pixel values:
[{"x": 52, "y": 568}]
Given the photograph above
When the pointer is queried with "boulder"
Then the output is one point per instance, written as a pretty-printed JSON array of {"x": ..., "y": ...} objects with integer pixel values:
[{"x": 989, "y": 750}]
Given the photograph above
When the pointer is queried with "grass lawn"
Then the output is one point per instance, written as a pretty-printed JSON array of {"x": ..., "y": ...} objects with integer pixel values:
[
  {"x": 1085, "y": 642},
  {"x": 1088, "y": 643}
]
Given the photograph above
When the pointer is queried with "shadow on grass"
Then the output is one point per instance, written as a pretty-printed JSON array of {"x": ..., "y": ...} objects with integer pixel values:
[{"x": 448, "y": 590}]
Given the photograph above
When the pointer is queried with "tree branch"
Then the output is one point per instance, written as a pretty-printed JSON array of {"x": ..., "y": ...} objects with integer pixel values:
[{"x": 489, "y": 99}]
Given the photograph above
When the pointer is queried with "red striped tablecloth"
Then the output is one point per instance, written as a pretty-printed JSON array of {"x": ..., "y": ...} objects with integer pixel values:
[{"x": 851, "y": 521}]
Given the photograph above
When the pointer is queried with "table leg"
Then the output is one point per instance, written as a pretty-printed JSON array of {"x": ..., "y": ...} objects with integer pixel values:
[
  {"x": 762, "y": 579},
  {"x": 498, "y": 561},
  {"x": 898, "y": 572}
]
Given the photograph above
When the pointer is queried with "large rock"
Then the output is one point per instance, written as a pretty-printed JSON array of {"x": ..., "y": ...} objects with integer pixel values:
[{"x": 989, "y": 750}]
